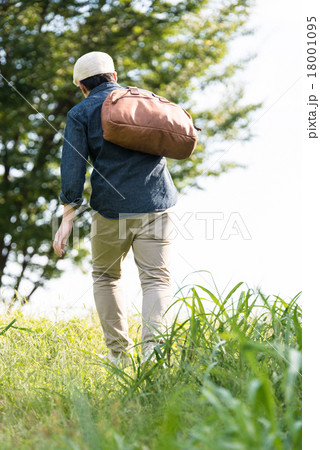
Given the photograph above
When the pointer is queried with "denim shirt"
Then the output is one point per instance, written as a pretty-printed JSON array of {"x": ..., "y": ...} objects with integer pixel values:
[{"x": 123, "y": 181}]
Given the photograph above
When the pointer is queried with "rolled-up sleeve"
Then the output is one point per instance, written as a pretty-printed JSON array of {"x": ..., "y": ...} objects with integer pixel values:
[{"x": 73, "y": 161}]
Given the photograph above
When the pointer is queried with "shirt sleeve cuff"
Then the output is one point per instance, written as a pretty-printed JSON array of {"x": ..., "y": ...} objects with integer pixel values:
[{"x": 74, "y": 203}]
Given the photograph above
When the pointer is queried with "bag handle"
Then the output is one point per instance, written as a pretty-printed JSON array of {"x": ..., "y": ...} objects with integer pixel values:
[
  {"x": 162, "y": 99},
  {"x": 133, "y": 90}
]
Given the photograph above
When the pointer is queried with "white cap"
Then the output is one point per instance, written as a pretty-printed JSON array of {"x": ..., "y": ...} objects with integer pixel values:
[{"x": 91, "y": 64}]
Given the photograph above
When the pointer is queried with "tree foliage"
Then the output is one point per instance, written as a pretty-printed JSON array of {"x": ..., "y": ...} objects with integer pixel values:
[{"x": 174, "y": 48}]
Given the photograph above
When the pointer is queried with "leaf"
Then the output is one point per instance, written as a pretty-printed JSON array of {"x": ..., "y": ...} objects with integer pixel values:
[{"x": 7, "y": 327}]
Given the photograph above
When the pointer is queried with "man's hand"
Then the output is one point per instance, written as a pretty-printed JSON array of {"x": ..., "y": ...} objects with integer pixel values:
[{"x": 62, "y": 235}]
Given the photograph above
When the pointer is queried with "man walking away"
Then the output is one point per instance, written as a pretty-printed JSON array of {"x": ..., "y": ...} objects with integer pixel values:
[{"x": 132, "y": 196}]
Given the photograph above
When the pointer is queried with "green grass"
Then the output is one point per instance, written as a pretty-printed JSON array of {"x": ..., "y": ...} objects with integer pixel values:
[{"x": 228, "y": 377}]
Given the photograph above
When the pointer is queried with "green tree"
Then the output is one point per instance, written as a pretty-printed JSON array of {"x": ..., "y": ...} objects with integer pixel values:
[{"x": 174, "y": 48}]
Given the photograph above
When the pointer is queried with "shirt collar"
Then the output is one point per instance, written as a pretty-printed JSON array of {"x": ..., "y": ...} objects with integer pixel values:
[{"x": 103, "y": 86}]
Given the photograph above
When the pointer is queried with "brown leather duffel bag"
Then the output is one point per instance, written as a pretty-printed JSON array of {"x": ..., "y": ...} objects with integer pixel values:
[{"x": 145, "y": 122}]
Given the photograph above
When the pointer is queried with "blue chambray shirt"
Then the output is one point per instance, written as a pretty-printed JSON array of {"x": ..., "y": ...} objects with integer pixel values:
[{"x": 123, "y": 181}]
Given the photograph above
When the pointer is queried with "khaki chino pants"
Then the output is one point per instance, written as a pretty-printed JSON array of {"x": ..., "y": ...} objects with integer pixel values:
[{"x": 150, "y": 236}]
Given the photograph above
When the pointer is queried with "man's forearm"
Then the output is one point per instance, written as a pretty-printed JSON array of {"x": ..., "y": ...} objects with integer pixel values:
[{"x": 68, "y": 212}]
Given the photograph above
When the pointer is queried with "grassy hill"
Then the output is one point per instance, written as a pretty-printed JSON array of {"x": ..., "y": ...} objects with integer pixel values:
[{"x": 228, "y": 377}]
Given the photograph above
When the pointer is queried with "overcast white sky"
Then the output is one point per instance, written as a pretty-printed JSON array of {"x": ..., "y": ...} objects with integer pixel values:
[{"x": 266, "y": 195}]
